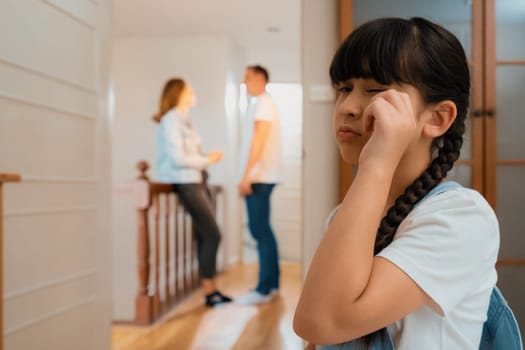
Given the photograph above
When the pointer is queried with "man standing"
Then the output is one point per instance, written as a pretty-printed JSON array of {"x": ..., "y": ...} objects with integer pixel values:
[{"x": 261, "y": 166}]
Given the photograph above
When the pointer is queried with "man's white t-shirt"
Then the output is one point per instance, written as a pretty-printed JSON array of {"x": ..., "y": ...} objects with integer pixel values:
[
  {"x": 448, "y": 244},
  {"x": 269, "y": 168}
]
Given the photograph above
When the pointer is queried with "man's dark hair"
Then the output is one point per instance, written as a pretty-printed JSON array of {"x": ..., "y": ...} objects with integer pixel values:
[{"x": 260, "y": 70}]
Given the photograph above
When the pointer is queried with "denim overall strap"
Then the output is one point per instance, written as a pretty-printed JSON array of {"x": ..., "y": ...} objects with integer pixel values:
[
  {"x": 501, "y": 330},
  {"x": 357, "y": 344},
  {"x": 440, "y": 188}
]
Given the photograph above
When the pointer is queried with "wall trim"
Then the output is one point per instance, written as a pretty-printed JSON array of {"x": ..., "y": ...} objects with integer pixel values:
[
  {"x": 48, "y": 315},
  {"x": 58, "y": 281},
  {"x": 71, "y": 14},
  {"x": 58, "y": 179},
  {"x": 46, "y": 211},
  {"x": 49, "y": 76},
  {"x": 48, "y": 107}
]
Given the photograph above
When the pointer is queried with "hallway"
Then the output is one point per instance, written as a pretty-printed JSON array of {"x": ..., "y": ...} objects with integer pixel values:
[{"x": 194, "y": 327}]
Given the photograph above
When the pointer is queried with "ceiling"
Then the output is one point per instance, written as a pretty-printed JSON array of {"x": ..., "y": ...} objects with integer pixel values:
[
  {"x": 247, "y": 23},
  {"x": 270, "y": 24}
]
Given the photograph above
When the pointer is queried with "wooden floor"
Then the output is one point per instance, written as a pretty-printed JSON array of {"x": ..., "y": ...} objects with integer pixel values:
[{"x": 194, "y": 327}]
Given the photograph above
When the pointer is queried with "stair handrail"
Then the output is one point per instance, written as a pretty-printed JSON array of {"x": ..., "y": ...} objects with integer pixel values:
[{"x": 4, "y": 177}]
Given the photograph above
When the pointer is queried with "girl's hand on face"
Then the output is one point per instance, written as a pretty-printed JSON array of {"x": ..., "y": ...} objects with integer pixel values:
[{"x": 391, "y": 121}]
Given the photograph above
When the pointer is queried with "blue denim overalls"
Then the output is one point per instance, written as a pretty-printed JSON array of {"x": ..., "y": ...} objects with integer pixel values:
[{"x": 500, "y": 330}]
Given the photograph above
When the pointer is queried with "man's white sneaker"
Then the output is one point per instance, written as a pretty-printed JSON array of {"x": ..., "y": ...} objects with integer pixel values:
[{"x": 253, "y": 298}]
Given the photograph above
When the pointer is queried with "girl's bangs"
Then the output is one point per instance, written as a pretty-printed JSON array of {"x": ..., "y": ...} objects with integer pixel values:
[{"x": 376, "y": 51}]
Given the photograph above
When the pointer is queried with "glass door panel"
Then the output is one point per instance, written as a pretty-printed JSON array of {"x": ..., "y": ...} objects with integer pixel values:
[
  {"x": 507, "y": 161},
  {"x": 462, "y": 174},
  {"x": 510, "y": 30},
  {"x": 510, "y": 119},
  {"x": 511, "y": 206}
]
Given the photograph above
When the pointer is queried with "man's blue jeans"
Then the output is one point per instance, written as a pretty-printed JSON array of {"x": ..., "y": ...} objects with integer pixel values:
[{"x": 258, "y": 206}]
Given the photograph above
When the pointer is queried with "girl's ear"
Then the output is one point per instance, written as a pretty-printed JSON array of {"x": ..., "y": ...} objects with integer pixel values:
[{"x": 440, "y": 119}]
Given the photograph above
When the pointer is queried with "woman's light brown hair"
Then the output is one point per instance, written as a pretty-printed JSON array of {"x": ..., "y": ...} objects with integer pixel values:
[{"x": 170, "y": 97}]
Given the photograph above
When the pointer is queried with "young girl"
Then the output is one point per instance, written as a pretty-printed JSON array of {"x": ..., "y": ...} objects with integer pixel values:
[
  {"x": 396, "y": 255},
  {"x": 181, "y": 162}
]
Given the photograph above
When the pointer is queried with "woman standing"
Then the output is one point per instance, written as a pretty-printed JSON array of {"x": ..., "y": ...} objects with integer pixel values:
[{"x": 181, "y": 162}]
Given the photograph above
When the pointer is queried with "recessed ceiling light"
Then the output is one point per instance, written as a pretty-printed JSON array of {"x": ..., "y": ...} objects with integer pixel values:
[{"x": 273, "y": 29}]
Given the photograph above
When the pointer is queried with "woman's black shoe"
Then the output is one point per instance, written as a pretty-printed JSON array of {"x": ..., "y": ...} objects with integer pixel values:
[{"x": 217, "y": 298}]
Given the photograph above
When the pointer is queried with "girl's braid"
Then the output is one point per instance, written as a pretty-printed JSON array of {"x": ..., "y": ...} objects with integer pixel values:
[{"x": 436, "y": 171}]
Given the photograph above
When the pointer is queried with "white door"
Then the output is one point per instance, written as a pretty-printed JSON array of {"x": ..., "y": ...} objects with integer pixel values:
[{"x": 53, "y": 131}]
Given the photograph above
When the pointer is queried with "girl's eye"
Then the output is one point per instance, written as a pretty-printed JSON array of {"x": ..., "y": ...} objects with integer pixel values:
[
  {"x": 344, "y": 89},
  {"x": 375, "y": 91}
]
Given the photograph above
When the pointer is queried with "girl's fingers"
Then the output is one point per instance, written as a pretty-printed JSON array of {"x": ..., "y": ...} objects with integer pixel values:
[
  {"x": 390, "y": 122},
  {"x": 399, "y": 100},
  {"x": 368, "y": 119},
  {"x": 379, "y": 108},
  {"x": 393, "y": 107}
]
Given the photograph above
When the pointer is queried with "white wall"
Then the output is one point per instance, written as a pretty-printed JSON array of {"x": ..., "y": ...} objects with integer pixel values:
[
  {"x": 53, "y": 130},
  {"x": 283, "y": 64},
  {"x": 234, "y": 208},
  {"x": 320, "y": 172}
]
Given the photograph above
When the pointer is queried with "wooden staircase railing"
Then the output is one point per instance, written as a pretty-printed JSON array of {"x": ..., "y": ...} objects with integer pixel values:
[
  {"x": 172, "y": 227},
  {"x": 3, "y": 178}
]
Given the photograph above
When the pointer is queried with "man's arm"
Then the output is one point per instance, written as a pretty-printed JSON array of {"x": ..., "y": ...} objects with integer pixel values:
[{"x": 260, "y": 135}]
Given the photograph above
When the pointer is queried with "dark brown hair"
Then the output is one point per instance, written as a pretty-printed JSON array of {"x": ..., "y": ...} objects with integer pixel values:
[
  {"x": 427, "y": 56},
  {"x": 170, "y": 97},
  {"x": 260, "y": 70}
]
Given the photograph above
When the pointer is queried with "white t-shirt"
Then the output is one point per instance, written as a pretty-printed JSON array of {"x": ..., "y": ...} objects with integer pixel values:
[
  {"x": 448, "y": 244},
  {"x": 269, "y": 168}
]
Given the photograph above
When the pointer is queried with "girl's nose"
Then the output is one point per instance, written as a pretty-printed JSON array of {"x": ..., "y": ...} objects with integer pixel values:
[{"x": 350, "y": 106}]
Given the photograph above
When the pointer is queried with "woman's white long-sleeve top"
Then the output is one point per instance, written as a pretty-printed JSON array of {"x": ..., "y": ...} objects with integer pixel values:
[{"x": 179, "y": 155}]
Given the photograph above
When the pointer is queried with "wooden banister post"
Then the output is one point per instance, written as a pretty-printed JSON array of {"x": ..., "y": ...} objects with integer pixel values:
[
  {"x": 3, "y": 178},
  {"x": 176, "y": 248},
  {"x": 167, "y": 290},
  {"x": 143, "y": 300},
  {"x": 156, "y": 256},
  {"x": 143, "y": 167}
]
